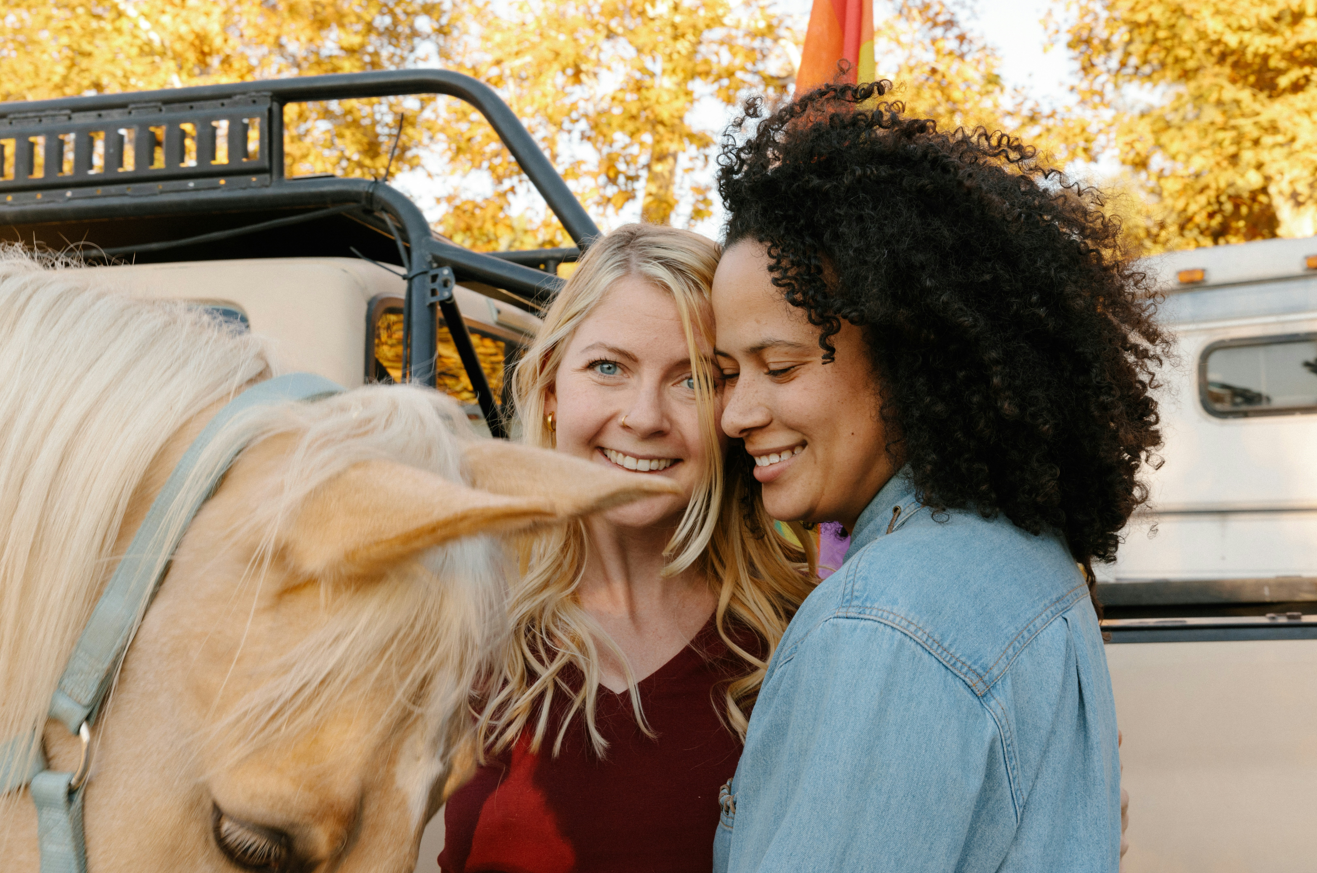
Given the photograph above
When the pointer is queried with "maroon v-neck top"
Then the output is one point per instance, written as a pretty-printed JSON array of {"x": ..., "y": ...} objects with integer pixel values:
[{"x": 651, "y": 804}]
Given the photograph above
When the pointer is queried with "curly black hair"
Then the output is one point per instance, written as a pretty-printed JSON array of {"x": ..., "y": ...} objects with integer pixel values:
[{"x": 1009, "y": 330}]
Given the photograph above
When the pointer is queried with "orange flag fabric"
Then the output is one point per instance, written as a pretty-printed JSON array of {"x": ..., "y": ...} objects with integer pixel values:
[{"x": 838, "y": 30}]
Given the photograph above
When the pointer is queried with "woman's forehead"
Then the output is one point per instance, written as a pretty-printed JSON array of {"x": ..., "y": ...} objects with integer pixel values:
[
  {"x": 638, "y": 318},
  {"x": 752, "y": 315}
]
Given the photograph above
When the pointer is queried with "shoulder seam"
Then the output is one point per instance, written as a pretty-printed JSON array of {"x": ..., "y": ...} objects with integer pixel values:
[{"x": 979, "y": 682}]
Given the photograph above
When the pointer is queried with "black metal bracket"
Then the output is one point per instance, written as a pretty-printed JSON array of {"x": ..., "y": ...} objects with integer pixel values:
[
  {"x": 439, "y": 294},
  {"x": 439, "y": 283},
  {"x": 430, "y": 296}
]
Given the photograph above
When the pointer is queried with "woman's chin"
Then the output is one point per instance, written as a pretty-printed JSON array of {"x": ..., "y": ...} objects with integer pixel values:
[
  {"x": 662, "y": 511},
  {"x": 781, "y": 502}
]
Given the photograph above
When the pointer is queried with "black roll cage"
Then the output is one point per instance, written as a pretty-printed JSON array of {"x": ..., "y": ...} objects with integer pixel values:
[{"x": 162, "y": 182}]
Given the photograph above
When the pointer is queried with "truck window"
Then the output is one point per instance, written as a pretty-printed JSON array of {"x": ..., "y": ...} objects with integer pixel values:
[
  {"x": 451, "y": 378},
  {"x": 1259, "y": 376}
]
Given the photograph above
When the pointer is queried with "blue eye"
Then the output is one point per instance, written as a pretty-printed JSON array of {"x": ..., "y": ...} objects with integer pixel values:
[
  {"x": 690, "y": 382},
  {"x": 606, "y": 368}
]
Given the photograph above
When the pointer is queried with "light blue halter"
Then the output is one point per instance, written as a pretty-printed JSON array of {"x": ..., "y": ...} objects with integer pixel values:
[{"x": 100, "y": 649}]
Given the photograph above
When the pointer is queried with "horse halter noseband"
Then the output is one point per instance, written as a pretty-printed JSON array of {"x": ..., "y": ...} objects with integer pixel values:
[{"x": 96, "y": 658}]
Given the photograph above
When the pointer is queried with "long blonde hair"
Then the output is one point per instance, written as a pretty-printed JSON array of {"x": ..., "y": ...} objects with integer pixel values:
[{"x": 759, "y": 576}]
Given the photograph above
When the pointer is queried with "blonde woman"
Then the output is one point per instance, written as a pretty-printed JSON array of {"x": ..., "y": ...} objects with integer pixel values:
[{"x": 640, "y": 636}]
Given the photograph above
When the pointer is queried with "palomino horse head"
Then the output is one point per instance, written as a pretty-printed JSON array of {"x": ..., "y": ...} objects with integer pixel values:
[{"x": 295, "y": 698}]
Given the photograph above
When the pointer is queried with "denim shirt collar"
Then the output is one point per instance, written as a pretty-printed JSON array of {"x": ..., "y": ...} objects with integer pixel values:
[{"x": 877, "y": 518}]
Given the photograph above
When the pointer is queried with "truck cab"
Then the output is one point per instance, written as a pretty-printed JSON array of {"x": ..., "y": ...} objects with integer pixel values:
[{"x": 354, "y": 332}]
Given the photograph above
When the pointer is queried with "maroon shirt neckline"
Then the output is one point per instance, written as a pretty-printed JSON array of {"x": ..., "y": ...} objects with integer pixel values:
[
  {"x": 706, "y": 645},
  {"x": 650, "y": 803}
]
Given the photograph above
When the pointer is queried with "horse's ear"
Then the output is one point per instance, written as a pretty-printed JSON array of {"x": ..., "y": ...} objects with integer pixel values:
[
  {"x": 377, "y": 513},
  {"x": 573, "y": 486}
]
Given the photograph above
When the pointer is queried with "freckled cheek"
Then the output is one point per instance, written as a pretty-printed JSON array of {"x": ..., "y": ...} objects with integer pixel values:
[
  {"x": 582, "y": 412},
  {"x": 692, "y": 435},
  {"x": 798, "y": 405}
]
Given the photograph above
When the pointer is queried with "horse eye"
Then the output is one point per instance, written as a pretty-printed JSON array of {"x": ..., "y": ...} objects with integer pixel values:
[{"x": 250, "y": 846}]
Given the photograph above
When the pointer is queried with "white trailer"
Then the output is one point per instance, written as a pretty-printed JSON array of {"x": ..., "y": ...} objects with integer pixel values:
[{"x": 1212, "y": 603}]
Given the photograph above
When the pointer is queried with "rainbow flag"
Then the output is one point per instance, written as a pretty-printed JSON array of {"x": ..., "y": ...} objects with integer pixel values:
[{"x": 837, "y": 29}]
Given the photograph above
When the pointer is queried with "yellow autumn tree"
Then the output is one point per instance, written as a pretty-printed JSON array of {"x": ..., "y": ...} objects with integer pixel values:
[
  {"x": 57, "y": 48},
  {"x": 1212, "y": 107},
  {"x": 941, "y": 68},
  {"x": 613, "y": 91}
]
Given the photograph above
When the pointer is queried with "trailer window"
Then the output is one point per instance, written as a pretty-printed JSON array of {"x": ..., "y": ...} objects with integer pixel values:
[
  {"x": 1260, "y": 376},
  {"x": 451, "y": 377}
]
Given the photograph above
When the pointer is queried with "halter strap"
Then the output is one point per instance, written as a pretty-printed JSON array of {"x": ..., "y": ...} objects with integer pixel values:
[
  {"x": 95, "y": 659},
  {"x": 91, "y": 667}
]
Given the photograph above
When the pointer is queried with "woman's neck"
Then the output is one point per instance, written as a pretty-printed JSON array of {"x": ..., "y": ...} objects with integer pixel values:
[{"x": 649, "y": 616}]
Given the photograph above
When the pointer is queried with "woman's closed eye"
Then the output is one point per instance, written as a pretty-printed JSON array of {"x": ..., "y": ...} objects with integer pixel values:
[{"x": 776, "y": 372}]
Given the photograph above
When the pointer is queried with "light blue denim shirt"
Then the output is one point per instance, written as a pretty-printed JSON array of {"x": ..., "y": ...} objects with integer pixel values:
[{"x": 940, "y": 703}]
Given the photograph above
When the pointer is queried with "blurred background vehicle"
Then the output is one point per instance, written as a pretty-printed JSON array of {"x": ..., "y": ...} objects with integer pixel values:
[{"x": 1212, "y": 602}]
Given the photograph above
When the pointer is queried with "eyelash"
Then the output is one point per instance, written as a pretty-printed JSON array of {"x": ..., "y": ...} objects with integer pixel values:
[
  {"x": 594, "y": 365},
  {"x": 780, "y": 372}
]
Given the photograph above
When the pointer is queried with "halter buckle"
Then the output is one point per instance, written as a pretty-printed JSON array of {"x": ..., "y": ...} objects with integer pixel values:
[{"x": 84, "y": 763}]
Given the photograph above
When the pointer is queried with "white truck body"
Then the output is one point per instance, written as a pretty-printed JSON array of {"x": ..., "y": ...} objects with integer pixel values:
[
  {"x": 318, "y": 313},
  {"x": 1214, "y": 651}
]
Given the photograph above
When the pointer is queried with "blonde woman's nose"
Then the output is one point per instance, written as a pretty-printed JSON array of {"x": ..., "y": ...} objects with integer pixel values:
[{"x": 644, "y": 416}]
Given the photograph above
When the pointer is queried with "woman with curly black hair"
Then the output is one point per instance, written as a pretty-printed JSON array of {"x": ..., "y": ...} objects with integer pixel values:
[{"x": 940, "y": 344}]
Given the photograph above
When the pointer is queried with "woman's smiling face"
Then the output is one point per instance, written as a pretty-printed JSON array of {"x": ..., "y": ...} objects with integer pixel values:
[
  {"x": 624, "y": 396},
  {"x": 812, "y": 428}
]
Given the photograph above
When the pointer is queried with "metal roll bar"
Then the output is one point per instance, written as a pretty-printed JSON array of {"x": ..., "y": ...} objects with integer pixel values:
[{"x": 142, "y": 140}]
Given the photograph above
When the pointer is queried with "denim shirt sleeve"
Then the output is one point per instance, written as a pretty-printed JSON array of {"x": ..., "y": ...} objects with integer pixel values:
[{"x": 871, "y": 755}]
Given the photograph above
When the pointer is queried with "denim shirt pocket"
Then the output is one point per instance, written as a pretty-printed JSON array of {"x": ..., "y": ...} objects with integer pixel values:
[{"x": 727, "y": 805}]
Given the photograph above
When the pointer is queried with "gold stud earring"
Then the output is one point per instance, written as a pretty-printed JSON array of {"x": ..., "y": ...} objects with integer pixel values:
[{"x": 549, "y": 423}]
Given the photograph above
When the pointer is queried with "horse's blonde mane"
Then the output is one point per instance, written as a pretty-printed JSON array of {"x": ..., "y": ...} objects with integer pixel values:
[{"x": 92, "y": 385}]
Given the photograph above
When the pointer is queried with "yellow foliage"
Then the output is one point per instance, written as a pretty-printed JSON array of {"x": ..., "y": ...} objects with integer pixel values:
[
  {"x": 451, "y": 376},
  {"x": 57, "y": 48},
  {"x": 1212, "y": 104},
  {"x": 942, "y": 69},
  {"x": 608, "y": 88}
]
